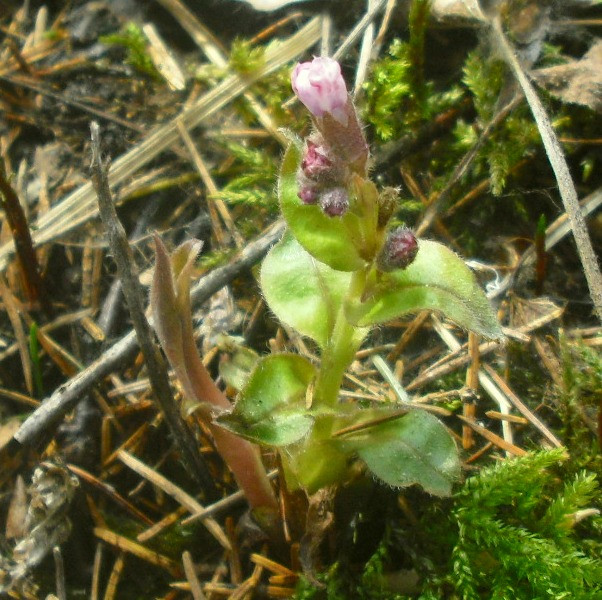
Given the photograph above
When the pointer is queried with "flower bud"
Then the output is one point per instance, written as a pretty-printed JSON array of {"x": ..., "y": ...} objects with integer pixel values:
[
  {"x": 388, "y": 203},
  {"x": 308, "y": 194},
  {"x": 399, "y": 250},
  {"x": 315, "y": 161},
  {"x": 320, "y": 86},
  {"x": 335, "y": 202}
]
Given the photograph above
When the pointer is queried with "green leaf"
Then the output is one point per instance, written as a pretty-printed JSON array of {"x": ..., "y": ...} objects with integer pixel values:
[
  {"x": 439, "y": 280},
  {"x": 413, "y": 449},
  {"x": 236, "y": 369},
  {"x": 302, "y": 292},
  {"x": 313, "y": 463},
  {"x": 271, "y": 408},
  {"x": 328, "y": 239}
]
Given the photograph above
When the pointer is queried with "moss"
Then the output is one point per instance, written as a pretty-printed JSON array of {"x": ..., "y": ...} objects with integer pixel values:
[
  {"x": 132, "y": 39},
  {"x": 246, "y": 58},
  {"x": 510, "y": 532}
]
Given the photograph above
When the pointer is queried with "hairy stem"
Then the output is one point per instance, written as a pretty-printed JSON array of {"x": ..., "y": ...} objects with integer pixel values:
[{"x": 344, "y": 343}]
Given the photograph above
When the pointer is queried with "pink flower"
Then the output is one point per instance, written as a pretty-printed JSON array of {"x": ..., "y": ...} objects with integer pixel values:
[{"x": 320, "y": 86}]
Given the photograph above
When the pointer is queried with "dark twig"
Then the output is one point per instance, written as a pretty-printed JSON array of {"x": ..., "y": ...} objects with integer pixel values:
[
  {"x": 26, "y": 255},
  {"x": 65, "y": 398},
  {"x": 61, "y": 589},
  {"x": 155, "y": 363}
]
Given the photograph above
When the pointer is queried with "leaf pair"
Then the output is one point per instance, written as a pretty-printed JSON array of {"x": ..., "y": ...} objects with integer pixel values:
[
  {"x": 401, "y": 450},
  {"x": 307, "y": 294}
]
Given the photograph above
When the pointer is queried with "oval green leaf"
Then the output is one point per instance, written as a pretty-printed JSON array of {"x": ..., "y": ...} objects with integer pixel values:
[
  {"x": 271, "y": 408},
  {"x": 414, "y": 449},
  {"x": 301, "y": 291},
  {"x": 327, "y": 239},
  {"x": 439, "y": 280}
]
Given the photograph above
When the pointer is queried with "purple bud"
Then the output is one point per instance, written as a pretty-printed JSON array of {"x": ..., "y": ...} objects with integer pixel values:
[
  {"x": 320, "y": 86},
  {"x": 399, "y": 250},
  {"x": 335, "y": 202},
  {"x": 308, "y": 195},
  {"x": 315, "y": 160}
]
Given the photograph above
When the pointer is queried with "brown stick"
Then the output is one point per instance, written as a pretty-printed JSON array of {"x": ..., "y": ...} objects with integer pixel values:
[
  {"x": 156, "y": 366},
  {"x": 26, "y": 255}
]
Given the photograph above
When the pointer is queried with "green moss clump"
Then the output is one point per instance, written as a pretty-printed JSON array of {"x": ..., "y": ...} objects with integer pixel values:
[
  {"x": 580, "y": 403},
  {"x": 250, "y": 178},
  {"x": 132, "y": 39},
  {"x": 246, "y": 58},
  {"x": 398, "y": 98},
  {"x": 516, "y": 537},
  {"x": 522, "y": 529}
]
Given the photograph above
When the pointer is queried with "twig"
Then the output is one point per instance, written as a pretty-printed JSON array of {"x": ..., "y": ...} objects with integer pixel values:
[
  {"x": 28, "y": 261},
  {"x": 155, "y": 364},
  {"x": 59, "y": 567},
  {"x": 566, "y": 187}
]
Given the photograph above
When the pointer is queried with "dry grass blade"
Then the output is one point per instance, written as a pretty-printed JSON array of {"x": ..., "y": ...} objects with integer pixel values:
[
  {"x": 523, "y": 408},
  {"x": 27, "y": 258},
  {"x": 177, "y": 493},
  {"x": 94, "y": 587},
  {"x": 566, "y": 187},
  {"x": 114, "y": 578},
  {"x": 484, "y": 379},
  {"x": 189, "y": 570},
  {"x": 79, "y": 206},
  {"x": 359, "y": 28},
  {"x": 127, "y": 545},
  {"x": 61, "y": 590},
  {"x": 496, "y": 440},
  {"x": 110, "y": 492},
  {"x": 159, "y": 526},
  {"x": 456, "y": 359},
  {"x": 13, "y": 311},
  {"x": 273, "y": 566},
  {"x": 216, "y": 205}
]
